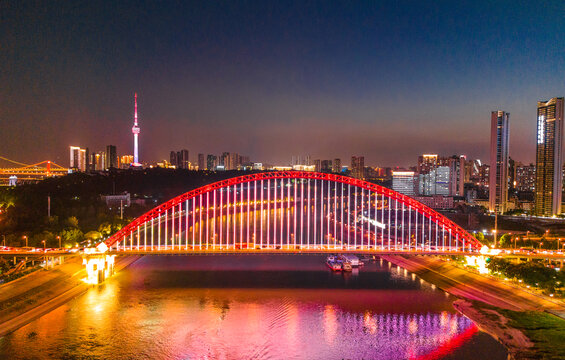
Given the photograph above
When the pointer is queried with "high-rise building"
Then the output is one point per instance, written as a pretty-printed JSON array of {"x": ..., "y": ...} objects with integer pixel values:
[
  {"x": 403, "y": 182},
  {"x": 173, "y": 158},
  {"x": 336, "y": 167},
  {"x": 512, "y": 165},
  {"x": 135, "y": 131},
  {"x": 427, "y": 163},
  {"x": 111, "y": 157},
  {"x": 211, "y": 162},
  {"x": 301, "y": 160},
  {"x": 498, "y": 174},
  {"x": 435, "y": 182},
  {"x": 126, "y": 161},
  {"x": 358, "y": 167},
  {"x": 472, "y": 171},
  {"x": 78, "y": 158},
  {"x": 234, "y": 161},
  {"x": 483, "y": 179},
  {"x": 526, "y": 177},
  {"x": 98, "y": 161},
  {"x": 549, "y": 157},
  {"x": 182, "y": 159},
  {"x": 317, "y": 165},
  {"x": 457, "y": 175},
  {"x": 201, "y": 162},
  {"x": 326, "y": 166}
]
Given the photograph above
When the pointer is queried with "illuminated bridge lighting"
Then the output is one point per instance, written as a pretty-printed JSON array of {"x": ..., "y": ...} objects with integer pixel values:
[{"x": 293, "y": 211}]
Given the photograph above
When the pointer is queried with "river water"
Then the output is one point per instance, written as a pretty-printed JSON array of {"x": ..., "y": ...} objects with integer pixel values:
[{"x": 254, "y": 307}]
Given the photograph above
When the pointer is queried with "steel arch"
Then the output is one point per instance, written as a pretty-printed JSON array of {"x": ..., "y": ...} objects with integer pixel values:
[{"x": 434, "y": 216}]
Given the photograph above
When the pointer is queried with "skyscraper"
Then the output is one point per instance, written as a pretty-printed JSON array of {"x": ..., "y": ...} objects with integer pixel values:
[
  {"x": 336, "y": 167},
  {"x": 403, "y": 182},
  {"x": 427, "y": 163},
  {"x": 326, "y": 166},
  {"x": 78, "y": 158},
  {"x": 549, "y": 157},
  {"x": 111, "y": 157},
  {"x": 358, "y": 167},
  {"x": 201, "y": 162},
  {"x": 498, "y": 175},
  {"x": 526, "y": 177},
  {"x": 135, "y": 130},
  {"x": 182, "y": 159},
  {"x": 457, "y": 175},
  {"x": 211, "y": 162},
  {"x": 173, "y": 158},
  {"x": 435, "y": 182}
]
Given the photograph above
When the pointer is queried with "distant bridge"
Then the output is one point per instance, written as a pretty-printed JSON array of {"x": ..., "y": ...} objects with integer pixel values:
[
  {"x": 29, "y": 173},
  {"x": 293, "y": 212}
]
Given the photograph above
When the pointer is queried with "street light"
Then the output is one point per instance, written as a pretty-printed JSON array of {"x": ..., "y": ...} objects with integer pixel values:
[
  {"x": 43, "y": 241},
  {"x": 59, "y": 238},
  {"x": 25, "y": 238}
]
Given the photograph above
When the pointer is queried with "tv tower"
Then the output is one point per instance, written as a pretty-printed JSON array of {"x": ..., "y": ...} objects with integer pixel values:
[{"x": 135, "y": 130}]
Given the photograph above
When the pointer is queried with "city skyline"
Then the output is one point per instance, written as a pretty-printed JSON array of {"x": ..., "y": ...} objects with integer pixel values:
[{"x": 261, "y": 87}]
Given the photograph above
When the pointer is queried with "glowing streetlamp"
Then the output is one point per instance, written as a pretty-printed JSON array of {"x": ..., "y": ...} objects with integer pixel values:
[
  {"x": 25, "y": 238},
  {"x": 59, "y": 238}
]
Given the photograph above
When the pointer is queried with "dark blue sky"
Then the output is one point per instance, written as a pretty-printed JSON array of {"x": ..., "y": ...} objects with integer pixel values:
[{"x": 385, "y": 79}]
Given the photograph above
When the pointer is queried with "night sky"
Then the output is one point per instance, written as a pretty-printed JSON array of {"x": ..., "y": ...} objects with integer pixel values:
[{"x": 385, "y": 79}]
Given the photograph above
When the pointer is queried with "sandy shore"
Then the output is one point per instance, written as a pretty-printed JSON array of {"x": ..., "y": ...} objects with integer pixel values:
[
  {"x": 495, "y": 324},
  {"x": 28, "y": 299}
]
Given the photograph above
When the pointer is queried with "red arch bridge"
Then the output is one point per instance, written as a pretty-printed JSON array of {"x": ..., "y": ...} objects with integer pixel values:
[{"x": 293, "y": 212}]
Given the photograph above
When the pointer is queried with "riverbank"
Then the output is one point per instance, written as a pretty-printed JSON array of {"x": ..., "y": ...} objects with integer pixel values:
[
  {"x": 520, "y": 320},
  {"x": 29, "y": 298},
  {"x": 466, "y": 284},
  {"x": 526, "y": 334}
]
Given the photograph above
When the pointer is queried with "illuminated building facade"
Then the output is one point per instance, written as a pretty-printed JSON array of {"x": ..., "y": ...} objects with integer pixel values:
[
  {"x": 98, "y": 161},
  {"x": 435, "y": 182},
  {"x": 549, "y": 157},
  {"x": 126, "y": 161},
  {"x": 427, "y": 163},
  {"x": 78, "y": 158},
  {"x": 498, "y": 174},
  {"x": 403, "y": 182},
  {"x": 526, "y": 177}
]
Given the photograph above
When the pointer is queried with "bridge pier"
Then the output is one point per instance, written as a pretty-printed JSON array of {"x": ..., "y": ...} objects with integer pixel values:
[{"x": 98, "y": 267}]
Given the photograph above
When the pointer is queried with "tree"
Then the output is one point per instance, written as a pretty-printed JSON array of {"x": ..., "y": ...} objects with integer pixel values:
[
  {"x": 93, "y": 236},
  {"x": 71, "y": 237},
  {"x": 72, "y": 222},
  {"x": 505, "y": 240},
  {"x": 105, "y": 228}
]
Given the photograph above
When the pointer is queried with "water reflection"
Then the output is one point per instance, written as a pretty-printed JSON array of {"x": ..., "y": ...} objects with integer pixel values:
[{"x": 146, "y": 312}]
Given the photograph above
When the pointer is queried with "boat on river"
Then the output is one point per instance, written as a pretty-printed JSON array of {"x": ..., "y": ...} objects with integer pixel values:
[{"x": 334, "y": 265}]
